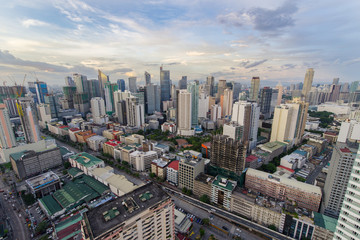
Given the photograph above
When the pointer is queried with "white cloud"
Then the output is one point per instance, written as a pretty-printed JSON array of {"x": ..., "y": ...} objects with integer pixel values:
[{"x": 33, "y": 22}]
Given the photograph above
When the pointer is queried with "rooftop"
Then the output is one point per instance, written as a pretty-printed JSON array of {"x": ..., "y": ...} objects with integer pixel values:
[
  {"x": 174, "y": 165},
  {"x": 68, "y": 227},
  {"x": 74, "y": 171},
  {"x": 286, "y": 168},
  {"x": 42, "y": 180},
  {"x": 325, "y": 222},
  {"x": 86, "y": 159},
  {"x": 113, "y": 142},
  {"x": 300, "y": 152},
  {"x": 225, "y": 183},
  {"x": 272, "y": 146},
  {"x": 50, "y": 204},
  {"x": 251, "y": 158},
  {"x": 204, "y": 178},
  {"x": 160, "y": 163},
  {"x": 128, "y": 206},
  {"x": 74, "y": 129}
]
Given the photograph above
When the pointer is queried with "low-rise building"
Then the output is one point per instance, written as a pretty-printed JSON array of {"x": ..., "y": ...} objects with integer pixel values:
[
  {"x": 86, "y": 162},
  {"x": 141, "y": 161},
  {"x": 81, "y": 137},
  {"x": 330, "y": 136},
  {"x": 112, "y": 134},
  {"x": 43, "y": 184},
  {"x": 182, "y": 222},
  {"x": 252, "y": 162},
  {"x": 69, "y": 228},
  {"x": 161, "y": 149},
  {"x": 123, "y": 153},
  {"x": 110, "y": 146},
  {"x": 72, "y": 132},
  {"x": 132, "y": 139},
  {"x": 172, "y": 172},
  {"x": 202, "y": 185},
  {"x": 324, "y": 227},
  {"x": 96, "y": 142},
  {"x": 268, "y": 151},
  {"x": 169, "y": 126},
  {"x": 293, "y": 161},
  {"x": 158, "y": 167},
  {"x": 221, "y": 190},
  {"x": 189, "y": 169}
]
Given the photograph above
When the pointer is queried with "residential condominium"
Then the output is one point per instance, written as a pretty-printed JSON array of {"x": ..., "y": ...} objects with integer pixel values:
[
  {"x": 348, "y": 225},
  {"x": 341, "y": 164},
  {"x": 189, "y": 169},
  {"x": 145, "y": 213},
  {"x": 282, "y": 188},
  {"x": 7, "y": 137}
]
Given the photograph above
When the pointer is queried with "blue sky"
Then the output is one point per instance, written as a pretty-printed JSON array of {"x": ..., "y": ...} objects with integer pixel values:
[{"x": 233, "y": 40}]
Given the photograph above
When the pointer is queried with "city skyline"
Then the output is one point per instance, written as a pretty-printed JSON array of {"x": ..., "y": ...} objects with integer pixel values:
[{"x": 276, "y": 40}]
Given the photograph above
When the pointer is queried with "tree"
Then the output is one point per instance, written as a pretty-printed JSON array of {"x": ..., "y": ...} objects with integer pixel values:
[
  {"x": 41, "y": 228},
  {"x": 28, "y": 198},
  {"x": 184, "y": 190},
  {"x": 202, "y": 232},
  {"x": 67, "y": 165},
  {"x": 272, "y": 227},
  {"x": 205, "y": 198},
  {"x": 206, "y": 221},
  {"x": 152, "y": 175},
  {"x": 212, "y": 237},
  {"x": 64, "y": 172},
  {"x": 301, "y": 179}
]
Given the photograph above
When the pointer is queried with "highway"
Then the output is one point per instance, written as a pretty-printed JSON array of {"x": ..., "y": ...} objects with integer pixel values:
[{"x": 232, "y": 217}]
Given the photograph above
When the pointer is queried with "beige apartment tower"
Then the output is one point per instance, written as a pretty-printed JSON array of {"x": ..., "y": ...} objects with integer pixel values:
[
  {"x": 184, "y": 105},
  {"x": 254, "y": 90},
  {"x": 309, "y": 76}
]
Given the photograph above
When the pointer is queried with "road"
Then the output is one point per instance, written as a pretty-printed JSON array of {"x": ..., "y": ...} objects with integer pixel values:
[
  {"x": 232, "y": 217},
  {"x": 313, "y": 175}
]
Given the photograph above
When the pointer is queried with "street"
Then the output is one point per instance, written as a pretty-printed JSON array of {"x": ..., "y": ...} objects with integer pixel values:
[{"x": 313, "y": 175}]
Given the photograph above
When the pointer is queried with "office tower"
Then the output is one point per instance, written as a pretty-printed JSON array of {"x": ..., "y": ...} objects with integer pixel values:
[
  {"x": 134, "y": 112},
  {"x": 132, "y": 84},
  {"x": 254, "y": 90},
  {"x": 109, "y": 90},
  {"x": 120, "y": 105},
  {"x": 203, "y": 105},
  {"x": 7, "y": 137},
  {"x": 354, "y": 97},
  {"x": 221, "y": 87},
  {"x": 29, "y": 120},
  {"x": 246, "y": 114},
  {"x": 82, "y": 103},
  {"x": 354, "y": 86},
  {"x": 236, "y": 88},
  {"x": 165, "y": 85},
  {"x": 280, "y": 93},
  {"x": 10, "y": 104},
  {"x": 147, "y": 78},
  {"x": 226, "y": 102},
  {"x": 183, "y": 82},
  {"x": 39, "y": 89},
  {"x": 102, "y": 80},
  {"x": 94, "y": 88},
  {"x": 348, "y": 225},
  {"x": 69, "y": 92},
  {"x": 233, "y": 130},
  {"x": 121, "y": 84},
  {"x": 193, "y": 89},
  {"x": 336, "y": 81},
  {"x": 97, "y": 109},
  {"x": 289, "y": 122},
  {"x": 345, "y": 88},
  {"x": 265, "y": 101},
  {"x": 334, "y": 93},
  {"x": 184, "y": 111},
  {"x": 274, "y": 100},
  {"x": 81, "y": 83},
  {"x": 309, "y": 76},
  {"x": 51, "y": 100},
  {"x": 209, "y": 86},
  {"x": 189, "y": 169},
  {"x": 228, "y": 154},
  {"x": 342, "y": 161},
  {"x": 69, "y": 81},
  {"x": 153, "y": 94},
  {"x": 215, "y": 112},
  {"x": 145, "y": 213}
]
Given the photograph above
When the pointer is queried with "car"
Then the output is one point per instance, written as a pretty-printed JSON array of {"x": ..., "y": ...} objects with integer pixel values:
[
  {"x": 213, "y": 210},
  {"x": 225, "y": 228},
  {"x": 238, "y": 229}
]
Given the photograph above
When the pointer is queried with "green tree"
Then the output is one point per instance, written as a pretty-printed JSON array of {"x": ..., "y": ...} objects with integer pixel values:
[
  {"x": 28, "y": 198},
  {"x": 67, "y": 165},
  {"x": 206, "y": 221},
  {"x": 272, "y": 227},
  {"x": 202, "y": 232},
  {"x": 41, "y": 228},
  {"x": 152, "y": 175},
  {"x": 205, "y": 198},
  {"x": 301, "y": 179},
  {"x": 64, "y": 172},
  {"x": 184, "y": 190}
]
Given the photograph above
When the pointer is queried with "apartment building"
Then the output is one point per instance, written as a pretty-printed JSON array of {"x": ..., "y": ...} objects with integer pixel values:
[{"x": 189, "y": 169}]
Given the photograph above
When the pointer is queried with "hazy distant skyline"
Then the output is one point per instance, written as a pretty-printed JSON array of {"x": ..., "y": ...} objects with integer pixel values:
[{"x": 232, "y": 40}]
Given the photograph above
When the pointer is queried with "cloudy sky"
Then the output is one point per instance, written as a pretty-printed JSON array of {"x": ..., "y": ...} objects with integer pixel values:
[{"x": 233, "y": 40}]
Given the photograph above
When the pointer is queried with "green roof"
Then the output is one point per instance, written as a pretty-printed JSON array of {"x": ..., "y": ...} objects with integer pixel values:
[
  {"x": 145, "y": 196},
  {"x": 68, "y": 222},
  {"x": 16, "y": 156},
  {"x": 93, "y": 183},
  {"x": 86, "y": 159},
  {"x": 217, "y": 181},
  {"x": 325, "y": 222},
  {"x": 128, "y": 147},
  {"x": 64, "y": 151},
  {"x": 64, "y": 198},
  {"x": 50, "y": 205},
  {"x": 274, "y": 145},
  {"x": 110, "y": 214},
  {"x": 74, "y": 171}
]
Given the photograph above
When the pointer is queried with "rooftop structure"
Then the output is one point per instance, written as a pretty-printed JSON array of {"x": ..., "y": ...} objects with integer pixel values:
[
  {"x": 42, "y": 184},
  {"x": 69, "y": 228}
]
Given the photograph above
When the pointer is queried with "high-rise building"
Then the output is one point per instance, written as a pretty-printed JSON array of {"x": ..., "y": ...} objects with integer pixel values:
[
  {"x": 236, "y": 88},
  {"x": 220, "y": 89},
  {"x": 10, "y": 104},
  {"x": 82, "y": 103},
  {"x": 121, "y": 84},
  {"x": 193, "y": 89},
  {"x": 7, "y": 137},
  {"x": 254, "y": 90},
  {"x": 246, "y": 114},
  {"x": 349, "y": 131},
  {"x": 109, "y": 90},
  {"x": 147, "y": 78},
  {"x": 97, "y": 109},
  {"x": 209, "y": 86},
  {"x": 132, "y": 84},
  {"x": 226, "y": 102},
  {"x": 94, "y": 88},
  {"x": 69, "y": 81},
  {"x": 334, "y": 93},
  {"x": 265, "y": 101},
  {"x": 203, "y": 105},
  {"x": 280, "y": 93},
  {"x": 120, "y": 105},
  {"x": 183, "y": 82},
  {"x": 189, "y": 169},
  {"x": 309, "y": 76},
  {"x": 228, "y": 153},
  {"x": 215, "y": 112},
  {"x": 165, "y": 85},
  {"x": 336, "y": 81},
  {"x": 233, "y": 130},
  {"x": 354, "y": 86},
  {"x": 274, "y": 100},
  {"x": 289, "y": 122},
  {"x": 134, "y": 112},
  {"x": 69, "y": 92},
  {"x": 184, "y": 111},
  {"x": 341, "y": 164},
  {"x": 39, "y": 89},
  {"x": 29, "y": 120},
  {"x": 81, "y": 83},
  {"x": 348, "y": 225},
  {"x": 51, "y": 100},
  {"x": 153, "y": 94},
  {"x": 102, "y": 80}
]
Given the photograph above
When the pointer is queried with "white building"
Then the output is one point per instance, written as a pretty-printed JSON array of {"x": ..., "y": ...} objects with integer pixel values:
[
  {"x": 334, "y": 108},
  {"x": 349, "y": 130},
  {"x": 141, "y": 161},
  {"x": 184, "y": 112},
  {"x": 98, "y": 110},
  {"x": 172, "y": 172},
  {"x": 293, "y": 161},
  {"x": 95, "y": 142},
  {"x": 134, "y": 112},
  {"x": 233, "y": 130},
  {"x": 203, "y": 105},
  {"x": 215, "y": 113},
  {"x": 227, "y": 102}
]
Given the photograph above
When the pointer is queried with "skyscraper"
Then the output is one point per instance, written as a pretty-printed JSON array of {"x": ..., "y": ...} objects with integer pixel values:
[
  {"x": 134, "y": 112},
  {"x": 203, "y": 105},
  {"x": 184, "y": 108},
  {"x": 51, "y": 100},
  {"x": 153, "y": 94},
  {"x": 336, "y": 81},
  {"x": 132, "y": 84},
  {"x": 109, "y": 90},
  {"x": 183, "y": 82},
  {"x": 309, "y": 76},
  {"x": 97, "y": 109},
  {"x": 209, "y": 86},
  {"x": 29, "y": 120},
  {"x": 39, "y": 89},
  {"x": 81, "y": 83},
  {"x": 69, "y": 81},
  {"x": 215, "y": 112},
  {"x": 94, "y": 88},
  {"x": 147, "y": 78},
  {"x": 228, "y": 154},
  {"x": 7, "y": 137},
  {"x": 193, "y": 89},
  {"x": 221, "y": 88},
  {"x": 354, "y": 86},
  {"x": 254, "y": 90},
  {"x": 69, "y": 92},
  {"x": 280, "y": 93},
  {"x": 265, "y": 101},
  {"x": 289, "y": 122},
  {"x": 342, "y": 161},
  {"x": 348, "y": 225},
  {"x": 165, "y": 85},
  {"x": 121, "y": 84},
  {"x": 246, "y": 114},
  {"x": 226, "y": 102},
  {"x": 120, "y": 105},
  {"x": 102, "y": 80}
]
